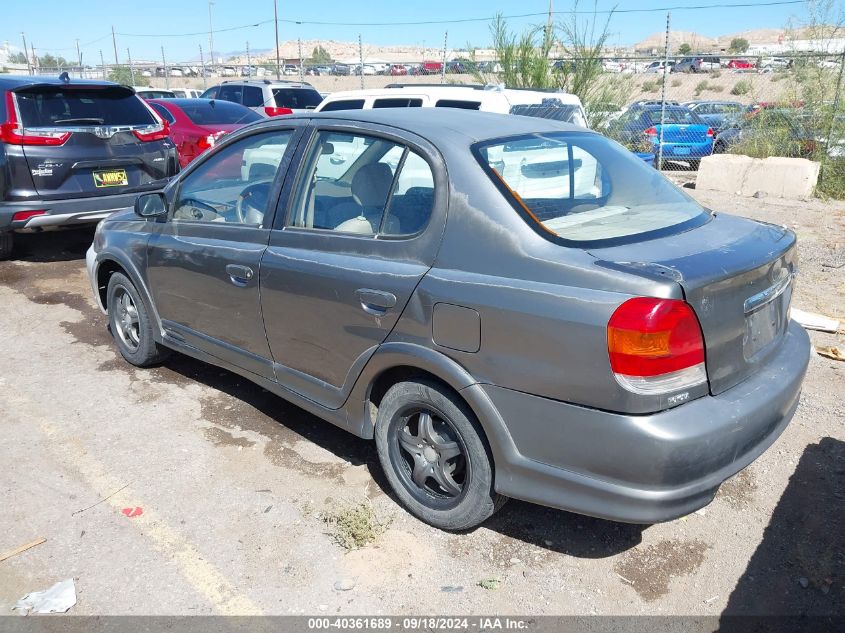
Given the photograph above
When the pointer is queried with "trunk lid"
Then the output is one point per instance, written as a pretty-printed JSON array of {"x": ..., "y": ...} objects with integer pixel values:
[
  {"x": 737, "y": 276},
  {"x": 102, "y": 155},
  {"x": 680, "y": 133}
]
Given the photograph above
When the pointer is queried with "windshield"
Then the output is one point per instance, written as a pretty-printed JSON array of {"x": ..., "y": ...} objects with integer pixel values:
[
  {"x": 586, "y": 188},
  {"x": 218, "y": 113},
  {"x": 60, "y": 106},
  {"x": 296, "y": 98}
]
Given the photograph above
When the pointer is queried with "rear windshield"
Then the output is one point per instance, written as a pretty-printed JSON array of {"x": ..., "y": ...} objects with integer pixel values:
[
  {"x": 565, "y": 113},
  {"x": 49, "y": 107},
  {"x": 673, "y": 115},
  {"x": 218, "y": 113},
  {"x": 296, "y": 98},
  {"x": 586, "y": 188}
]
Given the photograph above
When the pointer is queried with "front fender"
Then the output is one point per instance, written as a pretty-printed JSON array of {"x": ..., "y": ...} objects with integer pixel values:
[{"x": 131, "y": 270}]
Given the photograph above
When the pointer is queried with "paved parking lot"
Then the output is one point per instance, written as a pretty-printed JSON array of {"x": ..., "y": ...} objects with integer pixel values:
[{"x": 233, "y": 485}]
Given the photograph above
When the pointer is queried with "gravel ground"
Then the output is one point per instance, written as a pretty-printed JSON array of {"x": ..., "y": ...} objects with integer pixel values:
[{"x": 233, "y": 485}]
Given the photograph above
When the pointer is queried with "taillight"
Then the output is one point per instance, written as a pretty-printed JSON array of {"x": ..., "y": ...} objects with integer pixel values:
[
  {"x": 20, "y": 216},
  {"x": 710, "y": 132},
  {"x": 652, "y": 131},
  {"x": 157, "y": 132},
  {"x": 205, "y": 142},
  {"x": 275, "y": 111},
  {"x": 655, "y": 346},
  {"x": 13, "y": 133}
]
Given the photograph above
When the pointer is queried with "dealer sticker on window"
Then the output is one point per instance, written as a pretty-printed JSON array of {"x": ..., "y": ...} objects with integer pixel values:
[{"x": 113, "y": 178}]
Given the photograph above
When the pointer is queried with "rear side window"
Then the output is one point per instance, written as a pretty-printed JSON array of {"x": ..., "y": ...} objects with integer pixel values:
[
  {"x": 253, "y": 97},
  {"x": 230, "y": 93},
  {"x": 163, "y": 112},
  {"x": 211, "y": 93},
  {"x": 587, "y": 189},
  {"x": 63, "y": 106},
  {"x": 455, "y": 103},
  {"x": 349, "y": 104},
  {"x": 398, "y": 103},
  {"x": 219, "y": 113},
  {"x": 296, "y": 98}
]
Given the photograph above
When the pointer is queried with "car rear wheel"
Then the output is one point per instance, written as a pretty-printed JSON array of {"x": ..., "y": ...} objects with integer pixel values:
[
  {"x": 130, "y": 324},
  {"x": 432, "y": 450},
  {"x": 7, "y": 240}
]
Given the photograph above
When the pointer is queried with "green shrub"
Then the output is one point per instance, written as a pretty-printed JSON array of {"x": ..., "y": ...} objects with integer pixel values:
[
  {"x": 741, "y": 88},
  {"x": 831, "y": 182},
  {"x": 676, "y": 83},
  {"x": 651, "y": 86},
  {"x": 716, "y": 88},
  {"x": 716, "y": 74},
  {"x": 701, "y": 87}
]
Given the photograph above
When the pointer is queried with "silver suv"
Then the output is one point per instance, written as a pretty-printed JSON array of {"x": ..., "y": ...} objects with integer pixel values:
[{"x": 267, "y": 97}]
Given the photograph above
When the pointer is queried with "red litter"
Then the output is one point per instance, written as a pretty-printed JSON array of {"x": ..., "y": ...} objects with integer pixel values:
[{"x": 133, "y": 512}]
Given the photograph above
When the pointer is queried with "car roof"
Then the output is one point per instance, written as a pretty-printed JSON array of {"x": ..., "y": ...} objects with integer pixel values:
[
  {"x": 16, "y": 81},
  {"x": 273, "y": 83},
  {"x": 446, "y": 126},
  {"x": 469, "y": 92}
]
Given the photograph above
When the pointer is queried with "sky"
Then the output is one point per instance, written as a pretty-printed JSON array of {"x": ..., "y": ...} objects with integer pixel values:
[{"x": 181, "y": 26}]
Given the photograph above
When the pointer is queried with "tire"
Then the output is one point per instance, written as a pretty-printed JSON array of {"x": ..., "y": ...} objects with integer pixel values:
[
  {"x": 720, "y": 148},
  {"x": 7, "y": 240},
  {"x": 453, "y": 488},
  {"x": 131, "y": 325}
]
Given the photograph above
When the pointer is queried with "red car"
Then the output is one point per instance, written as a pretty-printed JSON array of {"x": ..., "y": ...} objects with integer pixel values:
[
  {"x": 398, "y": 69},
  {"x": 740, "y": 64},
  {"x": 431, "y": 68},
  {"x": 197, "y": 124}
]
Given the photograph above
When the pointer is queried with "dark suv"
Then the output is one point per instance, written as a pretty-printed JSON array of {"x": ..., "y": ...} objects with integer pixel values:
[{"x": 72, "y": 151}]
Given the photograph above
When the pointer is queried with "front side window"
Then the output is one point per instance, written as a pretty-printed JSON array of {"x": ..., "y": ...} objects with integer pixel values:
[
  {"x": 233, "y": 185},
  {"x": 383, "y": 187},
  {"x": 230, "y": 93},
  {"x": 347, "y": 104},
  {"x": 585, "y": 188},
  {"x": 253, "y": 97}
]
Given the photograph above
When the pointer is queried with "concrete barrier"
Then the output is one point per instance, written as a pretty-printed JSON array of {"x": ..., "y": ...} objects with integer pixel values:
[{"x": 745, "y": 176}]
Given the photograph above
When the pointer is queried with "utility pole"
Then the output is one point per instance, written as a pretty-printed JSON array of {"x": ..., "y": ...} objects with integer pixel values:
[
  {"x": 276, "y": 24},
  {"x": 248, "y": 61},
  {"x": 35, "y": 63},
  {"x": 549, "y": 23},
  {"x": 114, "y": 44},
  {"x": 210, "y": 35},
  {"x": 166, "y": 74},
  {"x": 202, "y": 69},
  {"x": 102, "y": 63},
  {"x": 26, "y": 54},
  {"x": 299, "y": 44},
  {"x": 131, "y": 68},
  {"x": 361, "y": 60},
  {"x": 443, "y": 65},
  {"x": 79, "y": 57}
]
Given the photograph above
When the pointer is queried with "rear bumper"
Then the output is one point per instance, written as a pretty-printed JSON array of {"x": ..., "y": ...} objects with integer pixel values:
[
  {"x": 63, "y": 212},
  {"x": 683, "y": 151},
  {"x": 642, "y": 468}
]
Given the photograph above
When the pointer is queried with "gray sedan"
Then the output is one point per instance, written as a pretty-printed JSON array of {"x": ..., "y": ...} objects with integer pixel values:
[{"x": 507, "y": 306}]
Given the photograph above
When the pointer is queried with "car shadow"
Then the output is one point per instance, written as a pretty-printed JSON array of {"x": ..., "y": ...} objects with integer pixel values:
[
  {"x": 547, "y": 528},
  {"x": 797, "y": 573},
  {"x": 53, "y": 246}
]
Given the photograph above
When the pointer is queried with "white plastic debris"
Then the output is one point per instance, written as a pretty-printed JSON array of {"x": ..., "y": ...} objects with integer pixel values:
[
  {"x": 57, "y": 599},
  {"x": 813, "y": 321}
]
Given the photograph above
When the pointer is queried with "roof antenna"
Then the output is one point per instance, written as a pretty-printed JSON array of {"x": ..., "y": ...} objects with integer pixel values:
[{"x": 64, "y": 77}]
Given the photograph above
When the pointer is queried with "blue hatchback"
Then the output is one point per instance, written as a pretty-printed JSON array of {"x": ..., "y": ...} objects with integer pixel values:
[{"x": 685, "y": 136}]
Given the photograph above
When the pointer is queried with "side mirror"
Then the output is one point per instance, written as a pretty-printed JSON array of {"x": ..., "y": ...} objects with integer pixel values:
[{"x": 151, "y": 205}]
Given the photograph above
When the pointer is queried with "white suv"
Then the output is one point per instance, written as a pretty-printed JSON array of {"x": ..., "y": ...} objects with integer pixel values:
[{"x": 268, "y": 98}]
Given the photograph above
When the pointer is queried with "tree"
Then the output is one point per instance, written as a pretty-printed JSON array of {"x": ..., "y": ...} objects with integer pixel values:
[
  {"x": 684, "y": 49},
  {"x": 49, "y": 61},
  {"x": 319, "y": 56},
  {"x": 123, "y": 75},
  {"x": 18, "y": 58},
  {"x": 738, "y": 45}
]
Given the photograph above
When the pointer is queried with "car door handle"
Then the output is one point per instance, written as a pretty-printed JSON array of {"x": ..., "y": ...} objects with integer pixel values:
[
  {"x": 375, "y": 302},
  {"x": 239, "y": 275}
]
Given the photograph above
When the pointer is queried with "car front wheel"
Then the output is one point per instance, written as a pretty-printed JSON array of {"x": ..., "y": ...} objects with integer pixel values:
[
  {"x": 432, "y": 450},
  {"x": 130, "y": 324}
]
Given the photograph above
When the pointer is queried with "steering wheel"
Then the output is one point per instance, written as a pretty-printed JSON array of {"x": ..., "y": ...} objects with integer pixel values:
[{"x": 252, "y": 202}]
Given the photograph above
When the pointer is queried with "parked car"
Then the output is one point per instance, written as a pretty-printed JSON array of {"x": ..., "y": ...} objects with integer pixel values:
[
  {"x": 431, "y": 68},
  {"x": 685, "y": 136},
  {"x": 716, "y": 114},
  {"x": 659, "y": 66},
  {"x": 73, "y": 151},
  {"x": 267, "y": 97},
  {"x": 290, "y": 69},
  {"x": 740, "y": 64},
  {"x": 709, "y": 63},
  {"x": 341, "y": 69},
  {"x": 196, "y": 125},
  {"x": 228, "y": 71},
  {"x": 397, "y": 70},
  {"x": 572, "y": 357},
  {"x": 777, "y": 63},
  {"x": 490, "y": 67},
  {"x": 154, "y": 93},
  {"x": 780, "y": 129},
  {"x": 467, "y": 97},
  {"x": 687, "y": 65},
  {"x": 184, "y": 93}
]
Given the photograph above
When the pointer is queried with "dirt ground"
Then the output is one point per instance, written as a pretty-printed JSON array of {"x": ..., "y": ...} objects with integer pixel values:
[{"x": 233, "y": 485}]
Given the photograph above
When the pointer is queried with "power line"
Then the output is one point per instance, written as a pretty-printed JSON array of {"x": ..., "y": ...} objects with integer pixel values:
[{"x": 737, "y": 5}]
